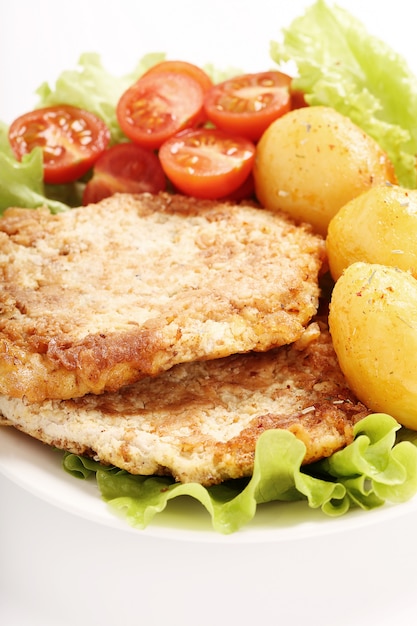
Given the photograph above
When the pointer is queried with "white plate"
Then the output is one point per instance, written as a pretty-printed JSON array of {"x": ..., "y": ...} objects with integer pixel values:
[
  {"x": 65, "y": 559},
  {"x": 37, "y": 468}
]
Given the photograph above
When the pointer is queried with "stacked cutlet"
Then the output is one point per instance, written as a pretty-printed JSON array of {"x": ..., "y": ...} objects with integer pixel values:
[{"x": 164, "y": 334}]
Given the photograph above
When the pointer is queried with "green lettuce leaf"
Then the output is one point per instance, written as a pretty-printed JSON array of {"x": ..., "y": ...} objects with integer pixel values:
[
  {"x": 21, "y": 183},
  {"x": 339, "y": 64},
  {"x": 92, "y": 87},
  {"x": 375, "y": 468}
]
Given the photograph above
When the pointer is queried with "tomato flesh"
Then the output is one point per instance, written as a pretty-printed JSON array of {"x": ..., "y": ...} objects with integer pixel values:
[
  {"x": 125, "y": 168},
  {"x": 183, "y": 67},
  {"x": 298, "y": 100},
  {"x": 207, "y": 163},
  {"x": 248, "y": 104},
  {"x": 158, "y": 106},
  {"x": 246, "y": 191},
  {"x": 71, "y": 140}
]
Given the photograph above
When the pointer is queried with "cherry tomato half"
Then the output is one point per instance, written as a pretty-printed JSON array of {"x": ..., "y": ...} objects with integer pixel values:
[
  {"x": 248, "y": 104},
  {"x": 207, "y": 163},
  {"x": 298, "y": 100},
  {"x": 158, "y": 106},
  {"x": 125, "y": 168},
  {"x": 183, "y": 67},
  {"x": 71, "y": 139},
  {"x": 246, "y": 191}
]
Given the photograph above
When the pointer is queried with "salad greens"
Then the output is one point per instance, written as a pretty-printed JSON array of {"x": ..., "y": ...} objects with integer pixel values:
[
  {"x": 21, "y": 183},
  {"x": 341, "y": 65},
  {"x": 375, "y": 468}
]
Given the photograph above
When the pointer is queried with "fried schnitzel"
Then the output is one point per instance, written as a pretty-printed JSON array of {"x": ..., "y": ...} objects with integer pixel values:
[
  {"x": 101, "y": 296},
  {"x": 200, "y": 421}
]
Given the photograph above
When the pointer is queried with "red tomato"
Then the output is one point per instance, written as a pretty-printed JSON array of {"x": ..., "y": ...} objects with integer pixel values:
[
  {"x": 207, "y": 163},
  {"x": 183, "y": 67},
  {"x": 71, "y": 139},
  {"x": 246, "y": 191},
  {"x": 125, "y": 168},
  {"x": 158, "y": 106},
  {"x": 298, "y": 100},
  {"x": 248, "y": 104}
]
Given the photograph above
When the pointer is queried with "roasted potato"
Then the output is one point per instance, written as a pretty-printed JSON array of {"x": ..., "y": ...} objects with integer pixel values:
[
  {"x": 373, "y": 323},
  {"x": 379, "y": 226},
  {"x": 312, "y": 161}
]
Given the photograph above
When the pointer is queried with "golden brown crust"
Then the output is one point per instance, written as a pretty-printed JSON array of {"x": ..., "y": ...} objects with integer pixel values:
[
  {"x": 201, "y": 421},
  {"x": 101, "y": 296}
]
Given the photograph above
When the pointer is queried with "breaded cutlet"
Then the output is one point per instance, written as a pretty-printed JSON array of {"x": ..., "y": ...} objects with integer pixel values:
[
  {"x": 200, "y": 421},
  {"x": 101, "y": 296}
]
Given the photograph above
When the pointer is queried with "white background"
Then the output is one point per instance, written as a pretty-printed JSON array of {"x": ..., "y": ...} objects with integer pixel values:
[
  {"x": 57, "y": 568},
  {"x": 40, "y": 39}
]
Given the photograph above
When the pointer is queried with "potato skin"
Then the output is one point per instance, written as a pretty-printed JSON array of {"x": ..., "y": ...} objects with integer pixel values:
[
  {"x": 379, "y": 226},
  {"x": 312, "y": 161},
  {"x": 373, "y": 323}
]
